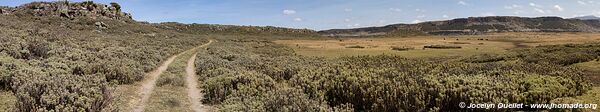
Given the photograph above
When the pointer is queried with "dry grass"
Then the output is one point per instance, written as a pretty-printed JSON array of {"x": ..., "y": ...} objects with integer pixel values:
[
  {"x": 172, "y": 96},
  {"x": 592, "y": 70},
  {"x": 169, "y": 96},
  {"x": 169, "y": 99},
  {"x": 484, "y": 44},
  {"x": 591, "y": 97},
  {"x": 7, "y": 101}
]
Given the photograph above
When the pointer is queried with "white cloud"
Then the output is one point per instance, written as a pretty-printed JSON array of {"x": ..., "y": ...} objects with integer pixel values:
[
  {"x": 419, "y": 10},
  {"x": 539, "y": 10},
  {"x": 298, "y": 19},
  {"x": 534, "y": 5},
  {"x": 381, "y": 21},
  {"x": 488, "y": 14},
  {"x": 421, "y": 16},
  {"x": 462, "y": 3},
  {"x": 558, "y": 8},
  {"x": 513, "y": 6},
  {"x": 581, "y": 2},
  {"x": 417, "y": 21},
  {"x": 396, "y": 9},
  {"x": 517, "y": 12},
  {"x": 347, "y": 20},
  {"x": 347, "y": 9},
  {"x": 445, "y": 16},
  {"x": 289, "y": 12}
]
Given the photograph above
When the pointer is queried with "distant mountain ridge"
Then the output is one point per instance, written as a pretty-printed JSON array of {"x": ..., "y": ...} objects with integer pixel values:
[
  {"x": 471, "y": 25},
  {"x": 590, "y": 17},
  {"x": 476, "y": 25}
]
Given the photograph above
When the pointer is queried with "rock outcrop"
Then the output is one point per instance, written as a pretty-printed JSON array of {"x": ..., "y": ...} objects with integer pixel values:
[{"x": 69, "y": 10}]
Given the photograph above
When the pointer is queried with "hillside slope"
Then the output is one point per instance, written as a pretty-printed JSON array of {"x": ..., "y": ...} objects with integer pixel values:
[
  {"x": 477, "y": 25},
  {"x": 57, "y": 56}
]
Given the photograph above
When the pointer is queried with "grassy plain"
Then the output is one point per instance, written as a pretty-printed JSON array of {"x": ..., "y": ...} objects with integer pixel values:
[
  {"x": 495, "y": 43},
  {"x": 592, "y": 68}
]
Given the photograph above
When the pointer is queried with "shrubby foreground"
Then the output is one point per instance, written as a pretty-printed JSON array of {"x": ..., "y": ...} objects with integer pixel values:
[{"x": 241, "y": 74}]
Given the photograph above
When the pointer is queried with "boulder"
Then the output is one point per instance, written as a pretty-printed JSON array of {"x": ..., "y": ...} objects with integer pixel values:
[{"x": 101, "y": 25}]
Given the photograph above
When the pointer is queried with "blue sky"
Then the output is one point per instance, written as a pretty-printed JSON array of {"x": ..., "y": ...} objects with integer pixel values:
[{"x": 329, "y": 14}]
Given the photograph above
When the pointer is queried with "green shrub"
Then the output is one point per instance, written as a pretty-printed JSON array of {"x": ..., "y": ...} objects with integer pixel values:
[
  {"x": 170, "y": 79},
  {"x": 442, "y": 47},
  {"x": 355, "y": 46},
  {"x": 36, "y": 90},
  {"x": 116, "y": 6},
  {"x": 402, "y": 48},
  {"x": 376, "y": 83},
  {"x": 54, "y": 64},
  {"x": 483, "y": 58},
  {"x": 220, "y": 88}
]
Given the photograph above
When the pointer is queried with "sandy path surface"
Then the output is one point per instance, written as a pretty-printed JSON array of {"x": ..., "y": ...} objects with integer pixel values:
[
  {"x": 149, "y": 82},
  {"x": 194, "y": 93}
]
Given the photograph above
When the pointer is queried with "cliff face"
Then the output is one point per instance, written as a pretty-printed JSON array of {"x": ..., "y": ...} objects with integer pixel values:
[
  {"x": 477, "y": 25},
  {"x": 69, "y": 10}
]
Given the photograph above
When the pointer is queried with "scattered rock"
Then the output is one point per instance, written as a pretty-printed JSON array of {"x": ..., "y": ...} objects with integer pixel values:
[
  {"x": 101, "y": 25},
  {"x": 70, "y": 10},
  {"x": 5, "y": 10}
]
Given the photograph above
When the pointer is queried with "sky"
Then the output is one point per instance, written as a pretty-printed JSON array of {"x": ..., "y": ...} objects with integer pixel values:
[{"x": 337, "y": 14}]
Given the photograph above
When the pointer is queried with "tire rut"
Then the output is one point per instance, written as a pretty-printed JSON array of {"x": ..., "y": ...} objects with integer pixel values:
[
  {"x": 194, "y": 93},
  {"x": 149, "y": 82}
]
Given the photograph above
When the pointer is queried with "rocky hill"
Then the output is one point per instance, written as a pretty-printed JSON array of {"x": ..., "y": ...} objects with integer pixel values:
[
  {"x": 476, "y": 25},
  {"x": 101, "y": 13},
  {"x": 71, "y": 10}
]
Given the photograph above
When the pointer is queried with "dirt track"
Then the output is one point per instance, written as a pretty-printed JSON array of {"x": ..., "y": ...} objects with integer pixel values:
[
  {"x": 149, "y": 82},
  {"x": 192, "y": 84}
]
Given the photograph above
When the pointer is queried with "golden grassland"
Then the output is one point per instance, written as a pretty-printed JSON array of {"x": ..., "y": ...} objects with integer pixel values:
[
  {"x": 495, "y": 43},
  {"x": 591, "y": 97},
  {"x": 592, "y": 68}
]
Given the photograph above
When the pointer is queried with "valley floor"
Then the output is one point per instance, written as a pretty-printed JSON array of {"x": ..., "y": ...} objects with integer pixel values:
[{"x": 496, "y": 43}]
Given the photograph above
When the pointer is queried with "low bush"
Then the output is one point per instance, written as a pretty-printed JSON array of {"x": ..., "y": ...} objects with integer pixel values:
[
  {"x": 402, "y": 48},
  {"x": 355, "y": 46},
  {"x": 37, "y": 90},
  {"x": 377, "y": 83},
  {"x": 483, "y": 58},
  {"x": 58, "y": 64},
  {"x": 170, "y": 79},
  {"x": 442, "y": 47},
  {"x": 460, "y": 42}
]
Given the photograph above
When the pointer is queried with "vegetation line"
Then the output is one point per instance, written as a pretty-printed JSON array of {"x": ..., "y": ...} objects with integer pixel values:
[{"x": 149, "y": 82}]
